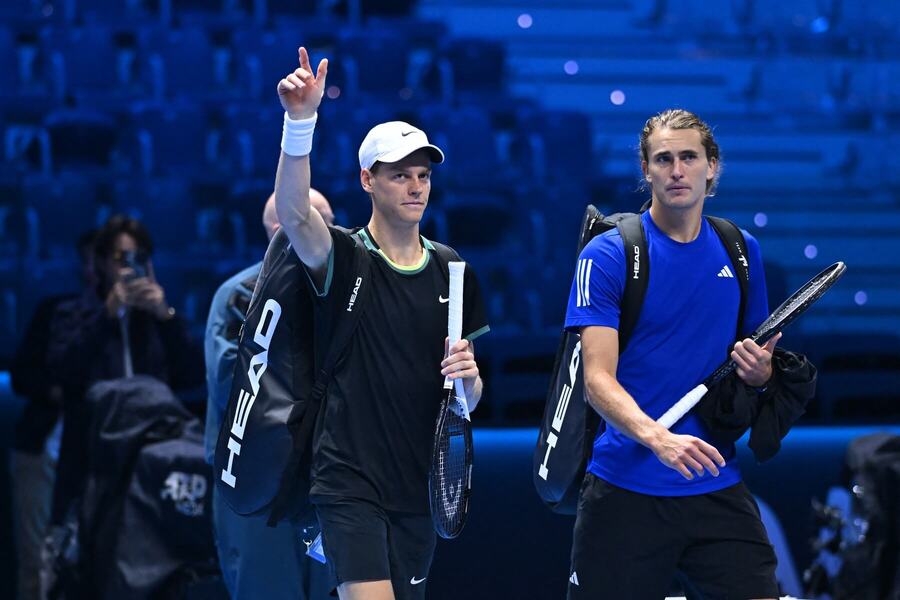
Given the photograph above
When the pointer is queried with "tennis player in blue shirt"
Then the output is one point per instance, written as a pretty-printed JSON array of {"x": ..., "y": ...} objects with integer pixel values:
[{"x": 656, "y": 502}]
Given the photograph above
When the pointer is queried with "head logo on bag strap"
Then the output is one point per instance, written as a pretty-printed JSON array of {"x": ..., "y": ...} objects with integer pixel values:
[{"x": 637, "y": 273}]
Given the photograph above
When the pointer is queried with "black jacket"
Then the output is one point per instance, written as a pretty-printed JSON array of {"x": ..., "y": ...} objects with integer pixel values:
[
  {"x": 86, "y": 348},
  {"x": 731, "y": 406},
  {"x": 29, "y": 379}
]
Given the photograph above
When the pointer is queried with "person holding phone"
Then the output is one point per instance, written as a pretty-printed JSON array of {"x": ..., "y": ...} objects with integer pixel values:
[{"x": 127, "y": 329}]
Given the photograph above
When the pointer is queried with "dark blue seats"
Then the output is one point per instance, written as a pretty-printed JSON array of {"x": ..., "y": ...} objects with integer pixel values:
[
  {"x": 281, "y": 9},
  {"x": 216, "y": 226},
  {"x": 9, "y": 322},
  {"x": 262, "y": 57},
  {"x": 250, "y": 142},
  {"x": 115, "y": 11},
  {"x": 81, "y": 139},
  {"x": 555, "y": 145},
  {"x": 168, "y": 139},
  {"x": 869, "y": 20},
  {"x": 63, "y": 207},
  {"x": 15, "y": 234},
  {"x": 858, "y": 375},
  {"x": 245, "y": 205},
  {"x": 344, "y": 125},
  {"x": 471, "y": 66},
  {"x": 206, "y": 13},
  {"x": 9, "y": 63},
  {"x": 374, "y": 63},
  {"x": 82, "y": 60},
  {"x": 181, "y": 63},
  {"x": 466, "y": 135},
  {"x": 478, "y": 65},
  {"x": 165, "y": 207}
]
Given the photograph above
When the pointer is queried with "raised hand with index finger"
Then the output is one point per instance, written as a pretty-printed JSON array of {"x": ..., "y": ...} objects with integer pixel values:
[{"x": 300, "y": 92}]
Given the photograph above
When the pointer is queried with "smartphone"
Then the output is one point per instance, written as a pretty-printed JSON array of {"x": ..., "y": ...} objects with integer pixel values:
[{"x": 135, "y": 261}]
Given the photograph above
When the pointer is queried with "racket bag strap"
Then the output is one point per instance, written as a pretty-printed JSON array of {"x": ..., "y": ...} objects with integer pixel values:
[
  {"x": 282, "y": 503},
  {"x": 736, "y": 247},
  {"x": 637, "y": 275},
  {"x": 446, "y": 254}
]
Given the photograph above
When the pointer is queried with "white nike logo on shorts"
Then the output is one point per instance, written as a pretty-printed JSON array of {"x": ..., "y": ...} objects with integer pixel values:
[{"x": 415, "y": 581}]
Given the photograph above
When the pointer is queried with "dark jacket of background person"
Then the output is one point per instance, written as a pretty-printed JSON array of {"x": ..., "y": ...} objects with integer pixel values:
[
  {"x": 86, "y": 348},
  {"x": 29, "y": 379},
  {"x": 29, "y": 375}
]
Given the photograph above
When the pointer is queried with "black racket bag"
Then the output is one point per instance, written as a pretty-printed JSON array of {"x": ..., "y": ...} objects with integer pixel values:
[
  {"x": 569, "y": 424},
  {"x": 263, "y": 452}
]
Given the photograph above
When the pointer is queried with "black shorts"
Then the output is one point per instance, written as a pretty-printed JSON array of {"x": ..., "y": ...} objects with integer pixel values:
[
  {"x": 630, "y": 545},
  {"x": 364, "y": 542}
]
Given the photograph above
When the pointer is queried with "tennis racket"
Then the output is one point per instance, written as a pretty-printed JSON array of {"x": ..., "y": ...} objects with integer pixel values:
[
  {"x": 783, "y": 316},
  {"x": 450, "y": 478}
]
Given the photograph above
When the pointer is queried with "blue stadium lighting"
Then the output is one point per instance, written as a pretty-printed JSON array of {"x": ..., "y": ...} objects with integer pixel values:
[
  {"x": 617, "y": 97},
  {"x": 760, "y": 219},
  {"x": 860, "y": 297},
  {"x": 571, "y": 67},
  {"x": 406, "y": 93},
  {"x": 810, "y": 251},
  {"x": 819, "y": 25},
  {"x": 525, "y": 21},
  {"x": 333, "y": 92}
]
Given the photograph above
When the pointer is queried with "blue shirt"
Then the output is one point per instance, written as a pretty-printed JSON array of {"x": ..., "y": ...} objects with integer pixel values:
[
  {"x": 685, "y": 330},
  {"x": 220, "y": 354}
]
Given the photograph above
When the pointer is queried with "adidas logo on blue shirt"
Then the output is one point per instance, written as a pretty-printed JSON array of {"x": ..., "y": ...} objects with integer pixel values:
[{"x": 726, "y": 272}]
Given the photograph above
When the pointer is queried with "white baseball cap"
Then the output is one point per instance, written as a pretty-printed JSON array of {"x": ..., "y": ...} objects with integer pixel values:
[{"x": 393, "y": 141}]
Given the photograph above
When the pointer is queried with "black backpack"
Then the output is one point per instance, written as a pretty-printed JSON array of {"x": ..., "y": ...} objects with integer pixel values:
[
  {"x": 281, "y": 376},
  {"x": 87, "y": 555},
  {"x": 569, "y": 425}
]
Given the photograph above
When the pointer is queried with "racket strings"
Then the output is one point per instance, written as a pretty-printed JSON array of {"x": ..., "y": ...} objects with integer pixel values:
[{"x": 449, "y": 478}]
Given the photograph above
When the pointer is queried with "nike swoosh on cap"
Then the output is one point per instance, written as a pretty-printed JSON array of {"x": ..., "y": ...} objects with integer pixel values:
[{"x": 406, "y": 133}]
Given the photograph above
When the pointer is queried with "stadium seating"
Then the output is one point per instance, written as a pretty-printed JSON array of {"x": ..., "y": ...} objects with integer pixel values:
[{"x": 167, "y": 110}]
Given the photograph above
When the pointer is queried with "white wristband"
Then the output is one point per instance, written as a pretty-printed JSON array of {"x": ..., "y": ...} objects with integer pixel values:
[{"x": 297, "y": 136}]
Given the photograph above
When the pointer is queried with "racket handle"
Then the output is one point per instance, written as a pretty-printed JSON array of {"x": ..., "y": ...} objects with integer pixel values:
[
  {"x": 454, "y": 322},
  {"x": 680, "y": 408}
]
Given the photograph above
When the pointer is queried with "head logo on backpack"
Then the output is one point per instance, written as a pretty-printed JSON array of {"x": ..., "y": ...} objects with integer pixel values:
[
  {"x": 268, "y": 321},
  {"x": 570, "y": 425}
]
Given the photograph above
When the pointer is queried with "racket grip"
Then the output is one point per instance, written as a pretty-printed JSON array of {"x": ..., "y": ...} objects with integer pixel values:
[
  {"x": 680, "y": 408},
  {"x": 454, "y": 322}
]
